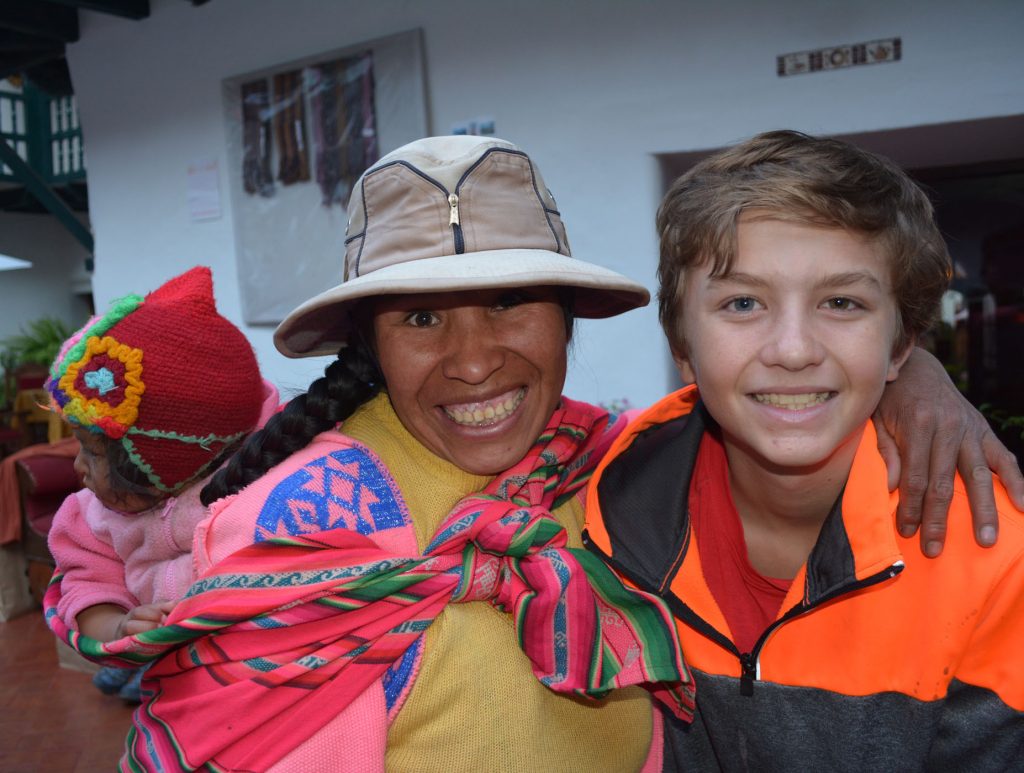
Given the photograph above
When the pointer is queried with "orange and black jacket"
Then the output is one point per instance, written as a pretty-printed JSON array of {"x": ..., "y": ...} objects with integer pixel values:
[{"x": 880, "y": 659}]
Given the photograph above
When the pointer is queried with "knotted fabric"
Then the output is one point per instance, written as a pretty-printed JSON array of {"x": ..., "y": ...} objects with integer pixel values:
[{"x": 282, "y": 635}]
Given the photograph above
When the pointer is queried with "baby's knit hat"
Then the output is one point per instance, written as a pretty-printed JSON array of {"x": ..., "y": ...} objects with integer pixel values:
[{"x": 166, "y": 375}]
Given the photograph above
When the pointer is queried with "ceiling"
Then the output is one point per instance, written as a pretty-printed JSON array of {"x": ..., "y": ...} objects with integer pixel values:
[{"x": 34, "y": 33}]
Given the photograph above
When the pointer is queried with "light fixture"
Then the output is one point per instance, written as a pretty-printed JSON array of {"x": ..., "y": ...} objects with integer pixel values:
[{"x": 7, "y": 263}]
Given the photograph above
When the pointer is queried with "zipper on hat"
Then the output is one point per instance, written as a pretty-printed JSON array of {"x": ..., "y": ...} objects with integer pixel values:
[
  {"x": 453, "y": 202},
  {"x": 453, "y": 221},
  {"x": 454, "y": 218}
]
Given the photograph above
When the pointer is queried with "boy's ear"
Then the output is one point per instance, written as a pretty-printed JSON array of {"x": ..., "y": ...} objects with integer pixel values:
[
  {"x": 683, "y": 366},
  {"x": 898, "y": 359}
]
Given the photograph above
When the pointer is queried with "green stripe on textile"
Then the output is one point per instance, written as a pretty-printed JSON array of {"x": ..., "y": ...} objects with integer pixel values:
[
  {"x": 648, "y": 624},
  {"x": 338, "y": 603},
  {"x": 129, "y": 757}
]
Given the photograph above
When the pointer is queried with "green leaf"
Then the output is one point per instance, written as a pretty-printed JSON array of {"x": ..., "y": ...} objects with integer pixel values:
[{"x": 39, "y": 342}]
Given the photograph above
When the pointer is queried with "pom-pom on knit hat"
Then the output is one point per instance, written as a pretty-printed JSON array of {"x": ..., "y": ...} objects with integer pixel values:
[{"x": 166, "y": 376}]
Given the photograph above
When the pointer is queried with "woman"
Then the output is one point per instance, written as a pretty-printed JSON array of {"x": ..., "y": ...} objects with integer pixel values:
[{"x": 453, "y": 321}]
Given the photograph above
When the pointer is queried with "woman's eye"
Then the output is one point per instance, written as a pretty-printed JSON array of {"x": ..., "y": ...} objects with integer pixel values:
[
  {"x": 841, "y": 303},
  {"x": 743, "y": 304},
  {"x": 421, "y": 319}
]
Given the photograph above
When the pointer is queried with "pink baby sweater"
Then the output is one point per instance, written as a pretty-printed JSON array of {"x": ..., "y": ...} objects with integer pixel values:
[
  {"x": 128, "y": 559},
  {"x": 109, "y": 557}
]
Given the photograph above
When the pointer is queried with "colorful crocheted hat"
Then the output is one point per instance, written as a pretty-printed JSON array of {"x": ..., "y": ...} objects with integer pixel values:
[{"x": 166, "y": 375}]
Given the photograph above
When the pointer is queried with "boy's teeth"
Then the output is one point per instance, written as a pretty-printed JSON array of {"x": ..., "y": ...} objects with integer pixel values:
[
  {"x": 488, "y": 412},
  {"x": 792, "y": 402}
]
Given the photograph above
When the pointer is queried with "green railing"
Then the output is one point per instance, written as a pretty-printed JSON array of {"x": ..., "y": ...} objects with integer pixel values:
[
  {"x": 44, "y": 131},
  {"x": 67, "y": 159}
]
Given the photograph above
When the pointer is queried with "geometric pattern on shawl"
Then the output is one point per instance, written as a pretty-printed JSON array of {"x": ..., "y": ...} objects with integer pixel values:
[
  {"x": 346, "y": 489},
  {"x": 342, "y": 490}
]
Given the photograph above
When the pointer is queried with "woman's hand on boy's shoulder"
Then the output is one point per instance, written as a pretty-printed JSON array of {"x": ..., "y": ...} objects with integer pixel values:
[{"x": 927, "y": 431}]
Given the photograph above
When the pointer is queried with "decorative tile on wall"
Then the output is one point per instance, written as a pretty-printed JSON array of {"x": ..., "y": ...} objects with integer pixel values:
[{"x": 836, "y": 57}]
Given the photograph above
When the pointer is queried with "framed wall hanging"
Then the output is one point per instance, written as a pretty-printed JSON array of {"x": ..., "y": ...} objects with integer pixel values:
[{"x": 299, "y": 135}]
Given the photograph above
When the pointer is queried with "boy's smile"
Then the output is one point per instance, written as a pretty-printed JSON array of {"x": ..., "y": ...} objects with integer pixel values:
[{"x": 792, "y": 348}]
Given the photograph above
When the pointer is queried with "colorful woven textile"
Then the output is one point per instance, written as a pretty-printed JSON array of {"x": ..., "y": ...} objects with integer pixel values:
[{"x": 294, "y": 613}]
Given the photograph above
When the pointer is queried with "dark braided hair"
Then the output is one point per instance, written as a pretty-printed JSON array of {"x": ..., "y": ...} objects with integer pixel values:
[{"x": 348, "y": 382}]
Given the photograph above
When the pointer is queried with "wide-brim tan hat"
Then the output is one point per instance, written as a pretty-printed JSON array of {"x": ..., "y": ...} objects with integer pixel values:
[{"x": 449, "y": 214}]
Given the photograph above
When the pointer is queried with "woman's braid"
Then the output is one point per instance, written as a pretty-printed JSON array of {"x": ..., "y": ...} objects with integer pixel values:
[{"x": 347, "y": 383}]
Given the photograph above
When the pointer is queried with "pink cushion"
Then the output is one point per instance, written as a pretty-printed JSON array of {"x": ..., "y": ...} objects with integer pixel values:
[{"x": 48, "y": 480}]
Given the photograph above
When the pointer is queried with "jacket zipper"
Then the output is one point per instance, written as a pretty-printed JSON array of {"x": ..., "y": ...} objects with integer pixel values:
[{"x": 750, "y": 661}]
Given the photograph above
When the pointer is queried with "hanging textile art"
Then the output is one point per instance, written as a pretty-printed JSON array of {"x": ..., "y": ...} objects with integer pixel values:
[
  {"x": 290, "y": 128},
  {"x": 344, "y": 124},
  {"x": 299, "y": 134},
  {"x": 256, "y": 176}
]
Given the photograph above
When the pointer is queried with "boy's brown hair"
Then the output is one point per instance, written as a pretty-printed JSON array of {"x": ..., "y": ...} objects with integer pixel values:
[{"x": 810, "y": 180}]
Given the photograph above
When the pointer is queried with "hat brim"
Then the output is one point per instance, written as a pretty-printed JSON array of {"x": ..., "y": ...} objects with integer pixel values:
[{"x": 322, "y": 325}]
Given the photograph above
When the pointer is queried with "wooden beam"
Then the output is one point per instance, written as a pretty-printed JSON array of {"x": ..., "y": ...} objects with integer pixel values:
[
  {"x": 128, "y": 9},
  {"x": 11, "y": 41},
  {"x": 51, "y": 76},
  {"x": 15, "y": 64},
  {"x": 43, "y": 19}
]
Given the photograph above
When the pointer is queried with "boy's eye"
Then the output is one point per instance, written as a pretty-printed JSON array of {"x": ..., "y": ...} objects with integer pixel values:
[
  {"x": 841, "y": 303},
  {"x": 421, "y": 318},
  {"x": 743, "y": 303}
]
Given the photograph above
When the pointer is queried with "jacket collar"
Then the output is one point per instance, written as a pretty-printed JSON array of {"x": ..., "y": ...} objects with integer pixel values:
[{"x": 637, "y": 506}]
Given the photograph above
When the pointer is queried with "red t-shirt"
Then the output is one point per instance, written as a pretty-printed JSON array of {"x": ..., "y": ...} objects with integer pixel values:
[{"x": 749, "y": 600}]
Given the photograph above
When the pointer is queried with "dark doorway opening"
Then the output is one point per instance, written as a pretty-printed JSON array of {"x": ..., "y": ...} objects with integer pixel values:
[{"x": 980, "y": 209}]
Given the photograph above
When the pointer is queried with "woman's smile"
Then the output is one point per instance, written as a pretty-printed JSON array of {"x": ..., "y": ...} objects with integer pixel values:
[{"x": 485, "y": 413}]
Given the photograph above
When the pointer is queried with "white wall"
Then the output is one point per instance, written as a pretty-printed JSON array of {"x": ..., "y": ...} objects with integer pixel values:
[
  {"x": 591, "y": 89},
  {"x": 47, "y": 289}
]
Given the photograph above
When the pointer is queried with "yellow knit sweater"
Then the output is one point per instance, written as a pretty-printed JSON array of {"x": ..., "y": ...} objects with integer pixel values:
[{"x": 476, "y": 704}]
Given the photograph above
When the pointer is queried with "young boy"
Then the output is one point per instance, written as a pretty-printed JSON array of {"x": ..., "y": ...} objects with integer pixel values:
[{"x": 796, "y": 274}]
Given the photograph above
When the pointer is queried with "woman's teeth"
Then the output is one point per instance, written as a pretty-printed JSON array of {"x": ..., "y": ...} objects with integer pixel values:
[
  {"x": 792, "y": 402},
  {"x": 485, "y": 413}
]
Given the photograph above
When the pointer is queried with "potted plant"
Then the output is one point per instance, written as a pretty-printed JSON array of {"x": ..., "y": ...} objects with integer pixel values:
[{"x": 37, "y": 344}]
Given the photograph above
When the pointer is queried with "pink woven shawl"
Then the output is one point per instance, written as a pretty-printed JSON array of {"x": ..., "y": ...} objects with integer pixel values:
[{"x": 283, "y": 634}]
